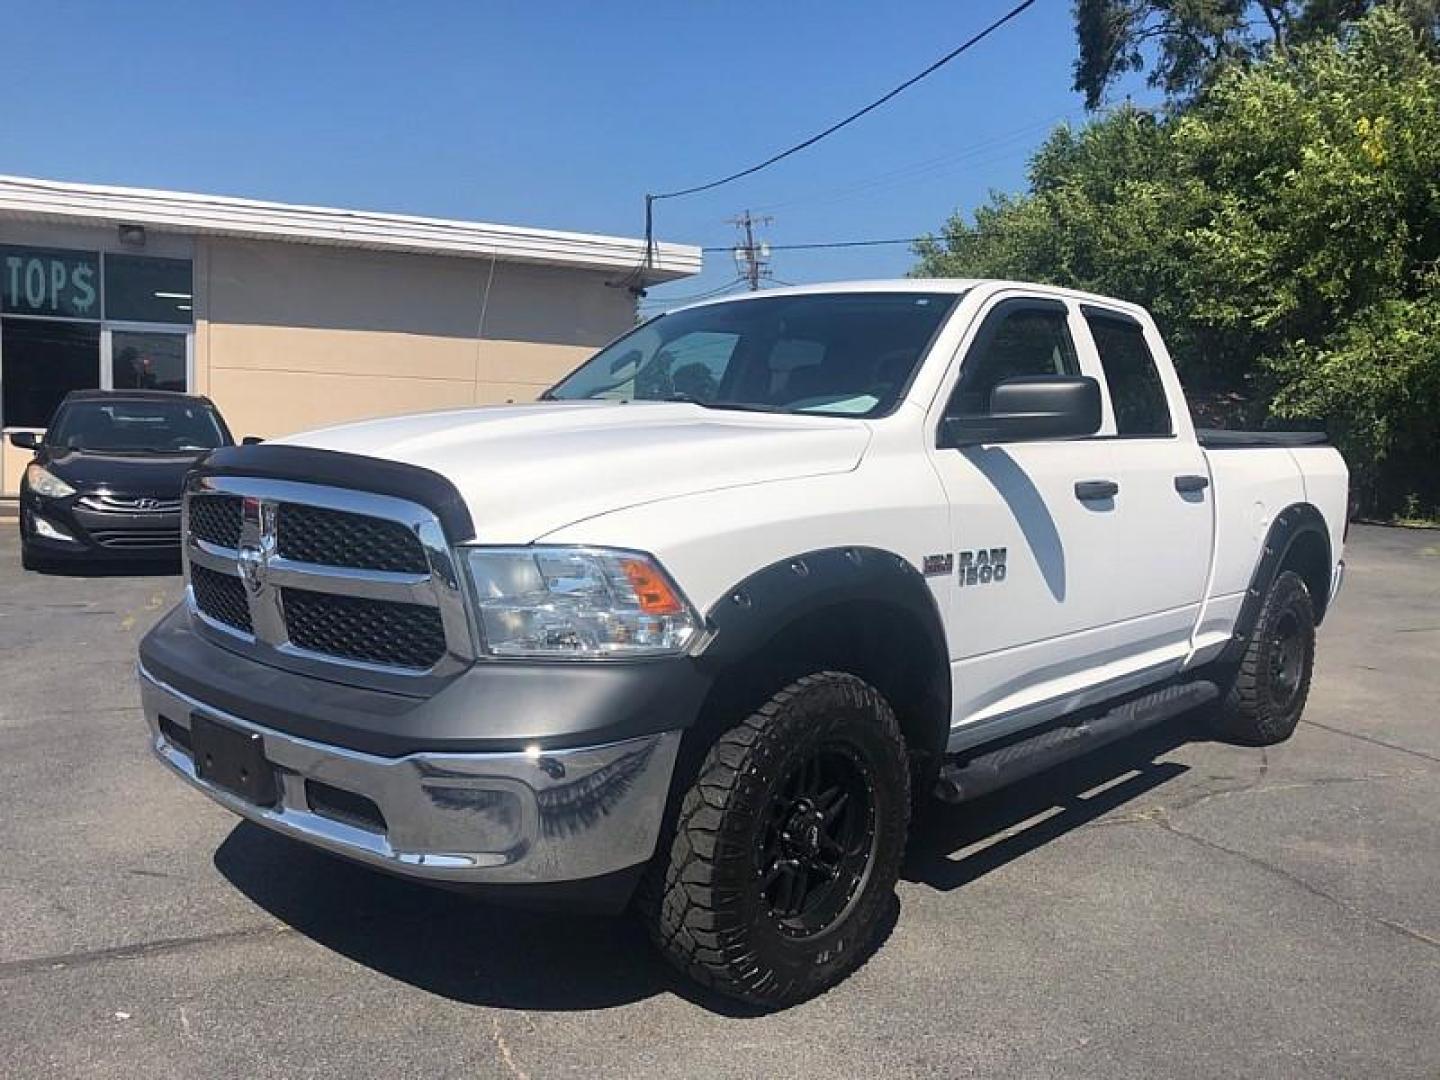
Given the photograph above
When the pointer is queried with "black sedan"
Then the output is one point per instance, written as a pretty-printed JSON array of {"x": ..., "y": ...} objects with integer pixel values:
[{"x": 107, "y": 477}]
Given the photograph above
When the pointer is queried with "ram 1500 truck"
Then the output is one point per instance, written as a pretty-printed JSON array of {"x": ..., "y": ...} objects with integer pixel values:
[{"x": 694, "y": 629}]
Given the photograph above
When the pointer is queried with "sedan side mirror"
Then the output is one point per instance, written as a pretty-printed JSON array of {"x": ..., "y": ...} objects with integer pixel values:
[
  {"x": 1030, "y": 408},
  {"x": 251, "y": 440},
  {"x": 25, "y": 440}
]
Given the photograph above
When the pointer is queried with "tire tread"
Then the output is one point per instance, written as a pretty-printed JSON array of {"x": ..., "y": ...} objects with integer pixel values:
[{"x": 695, "y": 925}]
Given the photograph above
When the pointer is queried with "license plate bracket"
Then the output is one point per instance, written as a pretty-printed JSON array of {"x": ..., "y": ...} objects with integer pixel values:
[{"x": 233, "y": 760}]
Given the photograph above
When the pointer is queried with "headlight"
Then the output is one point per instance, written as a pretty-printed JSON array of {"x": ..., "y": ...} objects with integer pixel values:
[
  {"x": 588, "y": 603},
  {"x": 43, "y": 482}
]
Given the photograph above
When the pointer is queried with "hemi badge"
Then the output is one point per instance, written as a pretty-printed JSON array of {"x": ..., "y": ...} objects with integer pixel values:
[{"x": 936, "y": 565}]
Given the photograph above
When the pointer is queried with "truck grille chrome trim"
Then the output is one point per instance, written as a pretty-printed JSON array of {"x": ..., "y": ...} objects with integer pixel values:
[{"x": 386, "y": 601}]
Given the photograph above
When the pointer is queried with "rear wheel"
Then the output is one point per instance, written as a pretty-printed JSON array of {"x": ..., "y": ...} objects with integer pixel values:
[
  {"x": 1268, "y": 688},
  {"x": 788, "y": 845}
]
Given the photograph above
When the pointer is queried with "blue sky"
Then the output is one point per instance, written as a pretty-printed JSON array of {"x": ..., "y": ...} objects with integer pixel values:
[{"x": 550, "y": 114}]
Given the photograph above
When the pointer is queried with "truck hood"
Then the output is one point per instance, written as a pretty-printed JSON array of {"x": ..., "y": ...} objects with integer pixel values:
[{"x": 527, "y": 470}]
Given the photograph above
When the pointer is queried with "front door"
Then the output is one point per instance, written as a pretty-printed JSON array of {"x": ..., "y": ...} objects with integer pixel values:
[{"x": 1034, "y": 556}]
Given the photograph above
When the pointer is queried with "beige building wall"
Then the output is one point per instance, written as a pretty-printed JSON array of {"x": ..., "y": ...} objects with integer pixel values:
[{"x": 291, "y": 336}]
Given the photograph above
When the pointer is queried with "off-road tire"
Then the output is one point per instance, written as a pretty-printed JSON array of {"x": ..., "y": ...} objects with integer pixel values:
[
  {"x": 714, "y": 920},
  {"x": 1267, "y": 689}
]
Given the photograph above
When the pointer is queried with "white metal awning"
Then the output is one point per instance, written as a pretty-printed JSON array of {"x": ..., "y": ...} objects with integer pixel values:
[{"x": 218, "y": 215}]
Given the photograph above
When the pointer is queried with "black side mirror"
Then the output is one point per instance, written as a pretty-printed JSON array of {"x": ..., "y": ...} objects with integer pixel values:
[
  {"x": 1030, "y": 408},
  {"x": 25, "y": 440},
  {"x": 251, "y": 440}
]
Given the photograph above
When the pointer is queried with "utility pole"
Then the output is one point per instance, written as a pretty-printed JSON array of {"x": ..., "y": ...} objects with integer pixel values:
[{"x": 752, "y": 258}]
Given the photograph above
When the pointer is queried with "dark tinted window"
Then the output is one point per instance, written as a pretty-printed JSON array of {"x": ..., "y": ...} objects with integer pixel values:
[
  {"x": 143, "y": 289},
  {"x": 146, "y": 360},
  {"x": 40, "y": 362},
  {"x": 1019, "y": 337},
  {"x": 135, "y": 426},
  {"x": 848, "y": 354},
  {"x": 1136, "y": 396}
]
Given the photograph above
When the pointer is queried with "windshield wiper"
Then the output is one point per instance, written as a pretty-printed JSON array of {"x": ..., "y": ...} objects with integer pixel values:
[{"x": 720, "y": 403}]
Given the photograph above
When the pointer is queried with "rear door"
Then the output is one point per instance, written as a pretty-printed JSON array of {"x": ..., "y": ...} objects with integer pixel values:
[
  {"x": 1034, "y": 561},
  {"x": 1163, "y": 512}
]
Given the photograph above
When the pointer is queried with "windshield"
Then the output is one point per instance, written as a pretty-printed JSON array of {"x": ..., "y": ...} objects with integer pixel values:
[
  {"x": 836, "y": 354},
  {"x": 136, "y": 427}
]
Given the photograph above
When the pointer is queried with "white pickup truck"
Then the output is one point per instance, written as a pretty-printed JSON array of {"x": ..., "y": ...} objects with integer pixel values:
[{"x": 695, "y": 628}]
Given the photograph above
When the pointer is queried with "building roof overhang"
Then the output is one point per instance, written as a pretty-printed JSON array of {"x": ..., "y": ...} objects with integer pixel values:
[{"x": 219, "y": 215}]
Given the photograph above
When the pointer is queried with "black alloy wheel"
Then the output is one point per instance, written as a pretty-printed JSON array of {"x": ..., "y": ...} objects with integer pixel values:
[
  {"x": 787, "y": 846},
  {"x": 1287, "y": 660},
  {"x": 818, "y": 841}
]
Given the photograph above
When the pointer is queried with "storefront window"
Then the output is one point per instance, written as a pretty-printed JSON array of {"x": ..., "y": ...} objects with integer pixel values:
[
  {"x": 43, "y": 361},
  {"x": 49, "y": 281},
  {"x": 79, "y": 320},
  {"x": 147, "y": 361},
  {"x": 139, "y": 288}
]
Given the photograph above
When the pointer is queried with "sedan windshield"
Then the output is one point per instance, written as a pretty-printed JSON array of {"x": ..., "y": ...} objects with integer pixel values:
[
  {"x": 837, "y": 354},
  {"x": 135, "y": 427}
]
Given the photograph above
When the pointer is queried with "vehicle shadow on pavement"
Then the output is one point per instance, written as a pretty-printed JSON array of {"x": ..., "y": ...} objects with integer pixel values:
[
  {"x": 454, "y": 945},
  {"x": 463, "y": 949},
  {"x": 1081, "y": 790}
]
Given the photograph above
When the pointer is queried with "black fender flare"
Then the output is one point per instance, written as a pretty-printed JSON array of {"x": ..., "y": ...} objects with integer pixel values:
[
  {"x": 1290, "y": 525},
  {"x": 767, "y": 602}
]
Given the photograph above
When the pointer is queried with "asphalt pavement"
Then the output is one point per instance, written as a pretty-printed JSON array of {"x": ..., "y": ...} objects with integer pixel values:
[{"x": 1172, "y": 906}]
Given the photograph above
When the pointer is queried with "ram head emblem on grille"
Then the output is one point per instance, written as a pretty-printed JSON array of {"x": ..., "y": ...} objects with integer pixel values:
[
  {"x": 257, "y": 540},
  {"x": 253, "y": 567}
]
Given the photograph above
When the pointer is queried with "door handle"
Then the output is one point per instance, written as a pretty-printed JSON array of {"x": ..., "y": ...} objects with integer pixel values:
[
  {"x": 1185, "y": 484},
  {"x": 1086, "y": 490}
]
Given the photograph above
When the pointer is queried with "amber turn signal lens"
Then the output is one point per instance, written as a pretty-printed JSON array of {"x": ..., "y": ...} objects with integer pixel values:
[{"x": 651, "y": 589}]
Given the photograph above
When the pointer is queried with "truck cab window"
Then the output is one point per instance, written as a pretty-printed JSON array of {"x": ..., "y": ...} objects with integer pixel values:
[
  {"x": 1136, "y": 395},
  {"x": 1019, "y": 337}
]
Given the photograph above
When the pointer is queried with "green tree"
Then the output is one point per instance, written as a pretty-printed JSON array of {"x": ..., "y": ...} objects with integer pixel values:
[
  {"x": 1284, "y": 229},
  {"x": 1188, "y": 44}
]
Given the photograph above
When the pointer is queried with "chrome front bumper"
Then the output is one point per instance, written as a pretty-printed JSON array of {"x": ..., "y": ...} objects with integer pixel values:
[{"x": 526, "y": 818}]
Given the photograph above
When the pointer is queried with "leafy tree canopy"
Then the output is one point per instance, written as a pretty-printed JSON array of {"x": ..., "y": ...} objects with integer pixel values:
[
  {"x": 1188, "y": 44},
  {"x": 1284, "y": 229}
]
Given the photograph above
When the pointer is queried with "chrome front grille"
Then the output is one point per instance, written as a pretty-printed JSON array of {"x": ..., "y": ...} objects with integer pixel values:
[
  {"x": 216, "y": 519},
  {"x": 339, "y": 538},
  {"x": 103, "y": 502},
  {"x": 324, "y": 579},
  {"x": 375, "y": 631},
  {"x": 221, "y": 597}
]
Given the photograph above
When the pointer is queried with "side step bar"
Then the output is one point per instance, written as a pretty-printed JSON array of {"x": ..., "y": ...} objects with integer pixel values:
[{"x": 961, "y": 781}]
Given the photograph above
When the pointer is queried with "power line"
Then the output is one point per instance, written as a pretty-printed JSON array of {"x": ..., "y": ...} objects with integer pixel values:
[
  {"x": 986, "y": 151},
  {"x": 829, "y": 244},
  {"x": 813, "y": 139},
  {"x": 696, "y": 296},
  {"x": 637, "y": 275}
]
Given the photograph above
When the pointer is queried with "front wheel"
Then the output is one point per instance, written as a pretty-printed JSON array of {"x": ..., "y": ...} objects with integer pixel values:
[
  {"x": 1266, "y": 691},
  {"x": 788, "y": 844}
]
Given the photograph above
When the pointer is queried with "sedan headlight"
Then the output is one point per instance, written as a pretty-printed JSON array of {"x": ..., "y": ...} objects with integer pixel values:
[
  {"x": 43, "y": 482},
  {"x": 587, "y": 603}
]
